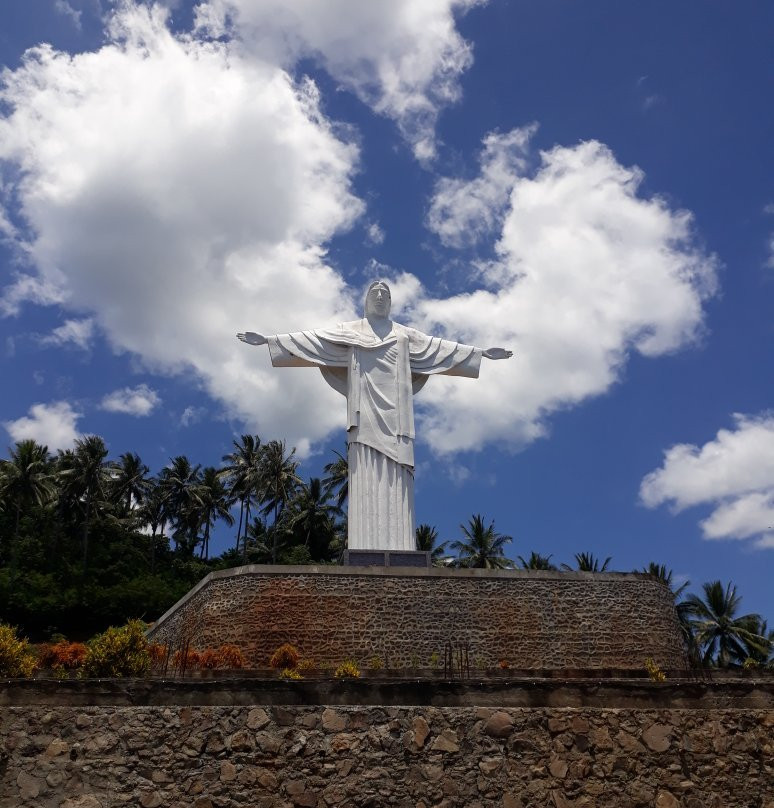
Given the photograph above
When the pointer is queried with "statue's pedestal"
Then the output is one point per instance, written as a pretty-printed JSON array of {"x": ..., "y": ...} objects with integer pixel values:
[
  {"x": 408, "y": 616},
  {"x": 417, "y": 559}
]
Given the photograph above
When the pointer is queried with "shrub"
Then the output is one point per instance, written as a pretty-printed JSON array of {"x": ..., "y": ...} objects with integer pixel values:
[
  {"x": 118, "y": 652},
  {"x": 63, "y": 655},
  {"x": 435, "y": 659},
  {"x": 17, "y": 659},
  {"x": 186, "y": 660},
  {"x": 655, "y": 673},
  {"x": 231, "y": 656},
  {"x": 209, "y": 659},
  {"x": 375, "y": 663},
  {"x": 158, "y": 653},
  {"x": 751, "y": 664},
  {"x": 503, "y": 664},
  {"x": 290, "y": 673},
  {"x": 286, "y": 656},
  {"x": 306, "y": 665},
  {"x": 347, "y": 670}
]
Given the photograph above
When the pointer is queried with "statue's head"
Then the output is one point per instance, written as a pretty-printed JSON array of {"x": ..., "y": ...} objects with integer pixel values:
[{"x": 378, "y": 300}]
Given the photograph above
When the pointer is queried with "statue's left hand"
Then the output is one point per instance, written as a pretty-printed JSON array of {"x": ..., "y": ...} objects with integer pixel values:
[{"x": 497, "y": 353}]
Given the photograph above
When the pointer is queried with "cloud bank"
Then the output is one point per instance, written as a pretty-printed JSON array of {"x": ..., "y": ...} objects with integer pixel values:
[
  {"x": 181, "y": 189},
  {"x": 733, "y": 474},
  {"x": 401, "y": 57},
  {"x": 587, "y": 272},
  {"x": 53, "y": 425}
]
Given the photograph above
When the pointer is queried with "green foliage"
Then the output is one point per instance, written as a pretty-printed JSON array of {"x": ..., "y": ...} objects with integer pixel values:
[
  {"x": 347, "y": 670},
  {"x": 723, "y": 636},
  {"x": 536, "y": 562},
  {"x": 482, "y": 546},
  {"x": 290, "y": 673},
  {"x": 17, "y": 659},
  {"x": 118, "y": 652},
  {"x": 654, "y": 672}
]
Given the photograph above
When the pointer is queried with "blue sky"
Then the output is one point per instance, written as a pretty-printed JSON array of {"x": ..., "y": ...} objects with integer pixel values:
[{"x": 589, "y": 184}]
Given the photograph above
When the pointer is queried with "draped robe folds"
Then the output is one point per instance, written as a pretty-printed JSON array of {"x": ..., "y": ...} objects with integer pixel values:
[{"x": 378, "y": 376}]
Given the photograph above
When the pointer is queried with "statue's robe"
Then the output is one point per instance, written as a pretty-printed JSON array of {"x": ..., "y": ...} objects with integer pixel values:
[{"x": 379, "y": 377}]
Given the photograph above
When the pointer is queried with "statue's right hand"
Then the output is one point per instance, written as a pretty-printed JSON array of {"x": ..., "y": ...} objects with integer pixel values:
[{"x": 251, "y": 338}]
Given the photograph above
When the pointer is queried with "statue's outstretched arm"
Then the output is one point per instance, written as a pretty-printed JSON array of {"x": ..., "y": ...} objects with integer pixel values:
[
  {"x": 497, "y": 353},
  {"x": 251, "y": 338}
]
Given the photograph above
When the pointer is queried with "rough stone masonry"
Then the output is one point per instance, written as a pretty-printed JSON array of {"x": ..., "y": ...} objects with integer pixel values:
[
  {"x": 533, "y": 620},
  {"x": 409, "y": 757}
]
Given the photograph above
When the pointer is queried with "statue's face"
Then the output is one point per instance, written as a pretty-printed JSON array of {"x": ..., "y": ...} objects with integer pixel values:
[{"x": 378, "y": 300}]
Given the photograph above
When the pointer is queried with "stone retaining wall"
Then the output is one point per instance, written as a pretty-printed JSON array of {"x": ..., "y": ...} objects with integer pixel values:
[
  {"x": 409, "y": 757},
  {"x": 534, "y": 620}
]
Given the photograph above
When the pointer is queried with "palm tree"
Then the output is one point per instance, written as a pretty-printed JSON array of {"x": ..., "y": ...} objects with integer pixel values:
[
  {"x": 278, "y": 483},
  {"x": 26, "y": 478},
  {"x": 153, "y": 513},
  {"x": 85, "y": 480},
  {"x": 182, "y": 491},
  {"x": 483, "y": 548},
  {"x": 213, "y": 504},
  {"x": 723, "y": 637},
  {"x": 427, "y": 536},
  {"x": 536, "y": 562},
  {"x": 661, "y": 573},
  {"x": 130, "y": 481},
  {"x": 762, "y": 653},
  {"x": 587, "y": 562},
  {"x": 313, "y": 516},
  {"x": 242, "y": 474},
  {"x": 337, "y": 478}
]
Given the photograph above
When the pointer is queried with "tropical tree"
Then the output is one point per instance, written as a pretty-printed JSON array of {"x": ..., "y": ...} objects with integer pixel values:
[
  {"x": 481, "y": 546},
  {"x": 212, "y": 504},
  {"x": 336, "y": 479},
  {"x": 588, "y": 562},
  {"x": 312, "y": 517},
  {"x": 536, "y": 562},
  {"x": 661, "y": 573},
  {"x": 723, "y": 637},
  {"x": 181, "y": 484},
  {"x": 85, "y": 477},
  {"x": 279, "y": 481},
  {"x": 243, "y": 478},
  {"x": 153, "y": 514},
  {"x": 130, "y": 483},
  {"x": 26, "y": 479},
  {"x": 427, "y": 536}
]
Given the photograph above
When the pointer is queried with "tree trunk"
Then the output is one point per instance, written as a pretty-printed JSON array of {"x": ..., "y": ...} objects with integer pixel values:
[
  {"x": 247, "y": 522},
  {"x": 274, "y": 538},
  {"x": 241, "y": 514},
  {"x": 86, "y": 535}
]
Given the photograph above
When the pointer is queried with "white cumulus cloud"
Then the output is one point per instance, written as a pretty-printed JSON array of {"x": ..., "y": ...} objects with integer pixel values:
[
  {"x": 733, "y": 474},
  {"x": 53, "y": 425},
  {"x": 77, "y": 332},
  {"x": 181, "y": 192},
  {"x": 402, "y": 57},
  {"x": 588, "y": 271},
  {"x": 463, "y": 211},
  {"x": 138, "y": 401},
  {"x": 181, "y": 189}
]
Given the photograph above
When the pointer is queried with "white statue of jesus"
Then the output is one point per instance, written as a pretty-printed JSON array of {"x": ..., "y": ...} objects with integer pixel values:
[{"x": 378, "y": 365}]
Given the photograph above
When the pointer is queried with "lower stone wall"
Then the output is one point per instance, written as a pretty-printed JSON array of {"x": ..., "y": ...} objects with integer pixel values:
[
  {"x": 409, "y": 757},
  {"x": 533, "y": 620}
]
